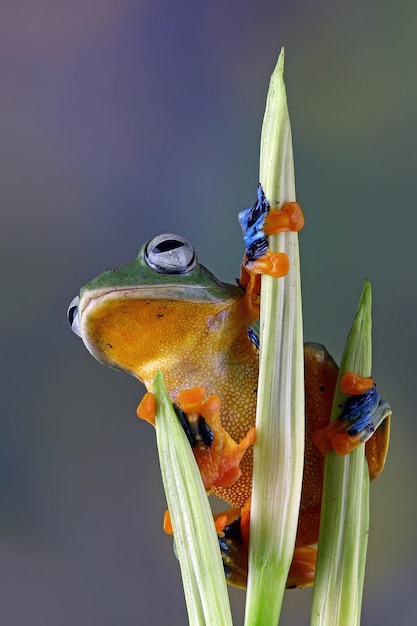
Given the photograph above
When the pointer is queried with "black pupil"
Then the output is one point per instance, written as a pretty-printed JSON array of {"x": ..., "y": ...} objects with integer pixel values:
[
  {"x": 167, "y": 245},
  {"x": 71, "y": 315}
]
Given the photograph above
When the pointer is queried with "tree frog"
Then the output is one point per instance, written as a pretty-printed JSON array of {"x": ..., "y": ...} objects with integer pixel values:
[{"x": 165, "y": 311}]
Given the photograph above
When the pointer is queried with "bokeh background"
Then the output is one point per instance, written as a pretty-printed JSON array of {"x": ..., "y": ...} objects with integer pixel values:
[{"x": 121, "y": 119}]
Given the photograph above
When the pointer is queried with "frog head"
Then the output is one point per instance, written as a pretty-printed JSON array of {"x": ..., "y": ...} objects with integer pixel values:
[{"x": 157, "y": 309}]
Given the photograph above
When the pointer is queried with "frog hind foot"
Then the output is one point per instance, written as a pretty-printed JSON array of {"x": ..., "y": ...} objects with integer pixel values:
[
  {"x": 233, "y": 532},
  {"x": 232, "y": 543},
  {"x": 365, "y": 418},
  {"x": 232, "y": 528}
]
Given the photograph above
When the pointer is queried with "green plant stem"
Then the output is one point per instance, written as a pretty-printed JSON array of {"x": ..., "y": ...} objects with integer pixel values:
[
  {"x": 279, "y": 447},
  {"x": 344, "y": 522},
  {"x": 192, "y": 520}
]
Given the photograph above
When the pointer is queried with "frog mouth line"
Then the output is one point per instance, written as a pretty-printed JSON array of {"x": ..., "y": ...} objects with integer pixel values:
[{"x": 172, "y": 292}]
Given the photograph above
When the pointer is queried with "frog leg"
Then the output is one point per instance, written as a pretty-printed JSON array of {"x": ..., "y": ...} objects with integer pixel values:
[
  {"x": 303, "y": 567},
  {"x": 233, "y": 547},
  {"x": 258, "y": 223},
  {"x": 233, "y": 532},
  {"x": 218, "y": 456},
  {"x": 232, "y": 528},
  {"x": 365, "y": 418}
]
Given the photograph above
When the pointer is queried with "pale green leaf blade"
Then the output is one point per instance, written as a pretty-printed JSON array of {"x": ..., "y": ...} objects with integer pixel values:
[
  {"x": 195, "y": 535},
  {"x": 279, "y": 447}
]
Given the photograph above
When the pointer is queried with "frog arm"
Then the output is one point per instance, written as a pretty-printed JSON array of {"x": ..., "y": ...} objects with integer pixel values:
[
  {"x": 219, "y": 460},
  {"x": 218, "y": 456},
  {"x": 258, "y": 223},
  {"x": 365, "y": 418}
]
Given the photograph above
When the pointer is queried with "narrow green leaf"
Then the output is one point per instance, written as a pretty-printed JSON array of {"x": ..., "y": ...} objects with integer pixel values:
[
  {"x": 192, "y": 520},
  {"x": 344, "y": 522},
  {"x": 279, "y": 447}
]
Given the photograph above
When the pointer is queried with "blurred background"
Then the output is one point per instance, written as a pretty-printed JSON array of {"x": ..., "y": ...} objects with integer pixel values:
[{"x": 120, "y": 120}]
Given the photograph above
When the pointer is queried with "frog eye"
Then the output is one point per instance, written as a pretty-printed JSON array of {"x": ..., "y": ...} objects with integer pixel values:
[
  {"x": 72, "y": 316},
  {"x": 170, "y": 254}
]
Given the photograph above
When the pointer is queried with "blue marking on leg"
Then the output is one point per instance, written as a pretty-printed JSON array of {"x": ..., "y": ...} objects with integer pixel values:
[
  {"x": 252, "y": 222},
  {"x": 363, "y": 411}
]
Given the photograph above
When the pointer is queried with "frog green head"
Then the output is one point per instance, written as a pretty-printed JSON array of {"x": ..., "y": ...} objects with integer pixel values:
[{"x": 151, "y": 310}]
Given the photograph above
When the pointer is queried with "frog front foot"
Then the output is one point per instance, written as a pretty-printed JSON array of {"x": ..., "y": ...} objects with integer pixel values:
[
  {"x": 365, "y": 418},
  {"x": 258, "y": 223},
  {"x": 218, "y": 456}
]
